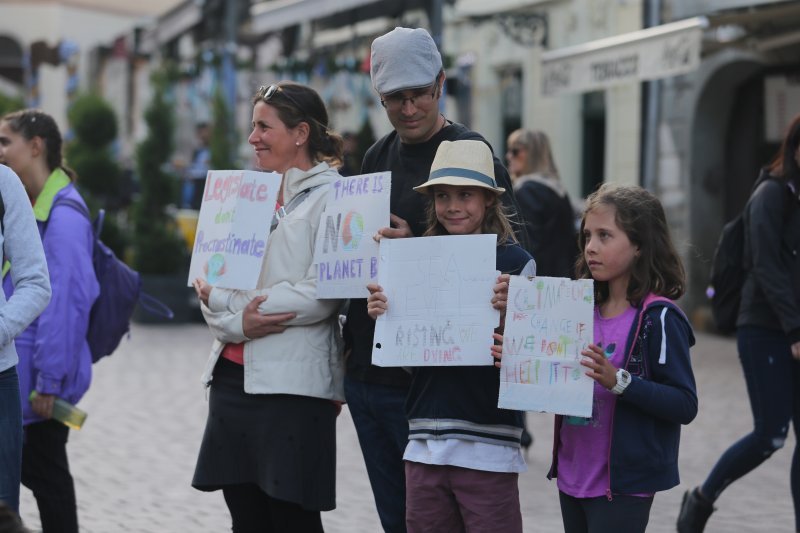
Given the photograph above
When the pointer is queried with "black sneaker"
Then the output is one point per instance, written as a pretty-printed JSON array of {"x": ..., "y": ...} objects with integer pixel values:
[{"x": 695, "y": 511}]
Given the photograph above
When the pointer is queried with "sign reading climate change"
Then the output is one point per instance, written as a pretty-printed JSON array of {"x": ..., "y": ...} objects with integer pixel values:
[
  {"x": 548, "y": 322},
  {"x": 233, "y": 227},
  {"x": 345, "y": 252},
  {"x": 439, "y": 292}
]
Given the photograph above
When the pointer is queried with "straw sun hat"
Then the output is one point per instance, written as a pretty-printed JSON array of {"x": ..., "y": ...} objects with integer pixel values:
[{"x": 465, "y": 163}]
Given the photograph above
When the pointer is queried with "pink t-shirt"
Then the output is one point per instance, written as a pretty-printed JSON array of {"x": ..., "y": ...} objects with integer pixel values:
[{"x": 585, "y": 442}]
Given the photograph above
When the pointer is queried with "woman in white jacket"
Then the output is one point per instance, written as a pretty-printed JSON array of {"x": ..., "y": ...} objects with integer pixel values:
[{"x": 276, "y": 369}]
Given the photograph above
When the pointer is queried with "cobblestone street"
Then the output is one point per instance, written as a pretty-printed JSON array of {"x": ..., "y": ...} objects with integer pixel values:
[{"x": 133, "y": 460}]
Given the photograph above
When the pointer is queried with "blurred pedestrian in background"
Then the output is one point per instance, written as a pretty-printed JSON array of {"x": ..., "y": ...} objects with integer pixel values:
[
  {"x": 544, "y": 203},
  {"x": 351, "y": 164},
  {"x": 194, "y": 175},
  {"x": 21, "y": 247},
  {"x": 276, "y": 369},
  {"x": 768, "y": 334},
  {"x": 54, "y": 357}
]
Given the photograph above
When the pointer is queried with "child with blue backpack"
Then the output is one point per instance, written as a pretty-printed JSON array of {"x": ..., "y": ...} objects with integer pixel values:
[
  {"x": 463, "y": 457},
  {"x": 54, "y": 355}
]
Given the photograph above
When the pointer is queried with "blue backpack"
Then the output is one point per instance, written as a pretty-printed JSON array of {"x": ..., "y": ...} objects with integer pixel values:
[{"x": 120, "y": 291}]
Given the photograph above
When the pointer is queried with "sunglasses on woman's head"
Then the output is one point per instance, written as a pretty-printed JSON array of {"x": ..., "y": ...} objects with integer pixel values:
[{"x": 265, "y": 92}]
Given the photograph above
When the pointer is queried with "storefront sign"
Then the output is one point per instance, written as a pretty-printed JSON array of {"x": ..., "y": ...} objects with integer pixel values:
[{"x": 666, "y": 50}]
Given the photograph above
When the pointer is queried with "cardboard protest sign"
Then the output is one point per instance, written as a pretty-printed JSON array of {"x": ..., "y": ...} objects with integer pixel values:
[
  {"x": 548, "y": 322},
  {"x": 439, "y": 292},
  {"x": 233, "y": 227},
  {"x": 345, "y": 252}
]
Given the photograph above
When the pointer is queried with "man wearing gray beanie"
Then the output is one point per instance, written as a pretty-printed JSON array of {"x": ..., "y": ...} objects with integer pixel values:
[{"x": 406, "y": 71}]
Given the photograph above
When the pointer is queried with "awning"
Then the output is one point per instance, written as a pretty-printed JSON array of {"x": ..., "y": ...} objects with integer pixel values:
[
  {"x": 279, "y": 14},
  {"x": 649, "y": 54},
  {"x": 482, "y": 8},
  {"x": 174, "y": 23}
]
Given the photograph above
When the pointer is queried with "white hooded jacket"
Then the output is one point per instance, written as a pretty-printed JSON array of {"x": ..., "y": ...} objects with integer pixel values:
[{"x": 306, "y": 359}]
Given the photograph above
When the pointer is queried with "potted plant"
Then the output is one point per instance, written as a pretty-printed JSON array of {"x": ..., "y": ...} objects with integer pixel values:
[
  {"x": 158, "y": 249},
  {"x": 94, "y": 129}
]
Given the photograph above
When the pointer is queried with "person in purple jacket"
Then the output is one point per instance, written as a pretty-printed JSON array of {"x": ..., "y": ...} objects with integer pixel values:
[{"x": 54, "y": 357}]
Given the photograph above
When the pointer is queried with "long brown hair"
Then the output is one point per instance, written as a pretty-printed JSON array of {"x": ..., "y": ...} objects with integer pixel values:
[
  {"x": 296, "y": 103},
  {"x": 785, "y": 164},
  {"x": 32, "y": 123},
  {"x": 658, "y": 267},
  {"x": 495, "y": 220}
]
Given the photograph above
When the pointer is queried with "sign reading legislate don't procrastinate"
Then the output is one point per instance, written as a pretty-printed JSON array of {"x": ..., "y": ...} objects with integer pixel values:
[
  {"x": 233, "y": 227},
  {"x": 439, "y": 292},
  {"x": 548, "y": 322},
  {"x": 345, "y": 253}
]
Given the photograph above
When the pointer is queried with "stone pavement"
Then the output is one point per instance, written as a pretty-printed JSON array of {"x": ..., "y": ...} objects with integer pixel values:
[{"x": 133, "y": 460}]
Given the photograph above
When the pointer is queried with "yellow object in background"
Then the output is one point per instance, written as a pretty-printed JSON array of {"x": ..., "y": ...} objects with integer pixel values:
[{"x": 187, "y": 223}]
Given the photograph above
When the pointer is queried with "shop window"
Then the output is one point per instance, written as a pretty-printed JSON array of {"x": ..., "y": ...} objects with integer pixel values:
[
  {"x": 11, "y": 60},
  {"x": 511, "y": 100},
  {"x": 594, "y": 140}
]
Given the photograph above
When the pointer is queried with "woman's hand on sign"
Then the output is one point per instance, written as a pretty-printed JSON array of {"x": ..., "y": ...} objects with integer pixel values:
[
  {"x": 377, "y": 303},
  {"x": 202, "y": 289},
  {"x": 497, "y": 349},
  {"x": 255, "y": 324},
  {"x": 399, "y": 229}
]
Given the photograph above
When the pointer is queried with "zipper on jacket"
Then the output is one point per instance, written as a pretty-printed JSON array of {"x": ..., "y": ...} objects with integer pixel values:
[
  {"x": 625, "y": 362},
  {"x": 609, "y": 496}
]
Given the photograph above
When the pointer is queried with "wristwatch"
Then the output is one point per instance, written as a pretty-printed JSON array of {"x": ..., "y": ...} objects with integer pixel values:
[{"x": 623, "y": 380}]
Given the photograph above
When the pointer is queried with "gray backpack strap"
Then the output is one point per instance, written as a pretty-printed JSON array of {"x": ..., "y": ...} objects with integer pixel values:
[{"x": 298, "y": 199}]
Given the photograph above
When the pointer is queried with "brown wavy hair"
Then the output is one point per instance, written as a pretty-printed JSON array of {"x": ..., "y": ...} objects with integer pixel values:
[
  {"x": 296, "y": 103},
  {"x": 658, "y": 268},
  {"x": 495, "y": 219}
]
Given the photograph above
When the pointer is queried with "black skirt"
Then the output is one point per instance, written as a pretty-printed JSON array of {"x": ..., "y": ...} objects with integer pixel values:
[{"x": 283, "y": 443}]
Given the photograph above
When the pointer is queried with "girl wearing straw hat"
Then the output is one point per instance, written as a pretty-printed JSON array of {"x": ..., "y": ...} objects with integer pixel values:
[{"x": 466, "y": 478}]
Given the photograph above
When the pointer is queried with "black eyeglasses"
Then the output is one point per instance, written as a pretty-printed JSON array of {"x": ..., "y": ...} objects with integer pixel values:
[{"x": 394, "y": 102}]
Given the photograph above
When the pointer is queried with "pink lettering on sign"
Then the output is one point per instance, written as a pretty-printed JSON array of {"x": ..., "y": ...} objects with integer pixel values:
[
  {"x": 234, "y": 186},
  {"x": 446, "y": 355}
]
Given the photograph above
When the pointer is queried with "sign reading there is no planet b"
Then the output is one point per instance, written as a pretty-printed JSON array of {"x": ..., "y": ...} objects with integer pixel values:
[{"x": 345, "y": 253}]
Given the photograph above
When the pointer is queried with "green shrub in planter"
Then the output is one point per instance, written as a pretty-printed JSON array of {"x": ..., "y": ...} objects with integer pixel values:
[
  {"x": 158, "y": 246},
  {"x": 94, "y": 128}
]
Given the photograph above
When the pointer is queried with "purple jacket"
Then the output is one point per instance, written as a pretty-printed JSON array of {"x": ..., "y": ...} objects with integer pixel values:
[{"x": 53, "y": 353}]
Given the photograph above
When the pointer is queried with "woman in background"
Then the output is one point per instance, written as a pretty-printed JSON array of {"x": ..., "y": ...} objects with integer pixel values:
[
  {"x": 543, "y": 202},
  {"x": 767, "y": 335}
]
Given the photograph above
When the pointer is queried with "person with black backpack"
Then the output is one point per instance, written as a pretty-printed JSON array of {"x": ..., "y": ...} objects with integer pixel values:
[
  {"x": 768, "y": 333},
  {"x": 54, "y": 356}
]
